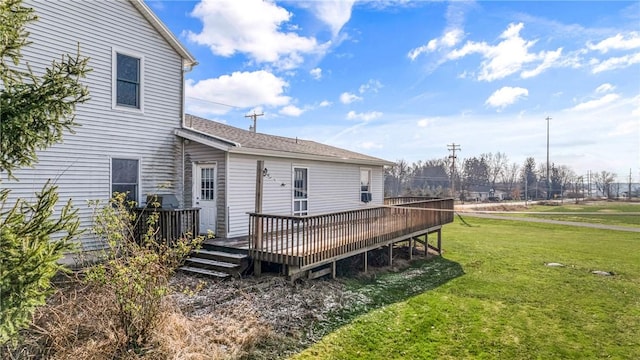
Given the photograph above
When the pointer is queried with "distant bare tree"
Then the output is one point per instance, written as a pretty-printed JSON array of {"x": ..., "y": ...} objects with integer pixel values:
[
  {"x": 509, "y": 177},
  {"x": 496, "y": 164},
  {"x": 566, "y": 176},
  {"x": 603, "y": 181}
]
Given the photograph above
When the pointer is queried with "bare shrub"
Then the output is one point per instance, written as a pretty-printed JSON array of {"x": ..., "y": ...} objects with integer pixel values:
[{"x": 136, "y": 269}]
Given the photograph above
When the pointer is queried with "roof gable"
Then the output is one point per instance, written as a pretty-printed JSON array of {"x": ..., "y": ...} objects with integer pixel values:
[
  {"x": 161, "y": 28},
  {"x": 240, "y": 140}
]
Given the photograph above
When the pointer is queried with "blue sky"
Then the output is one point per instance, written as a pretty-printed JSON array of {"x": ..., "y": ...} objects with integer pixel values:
[{"x": 402, "y": 79}]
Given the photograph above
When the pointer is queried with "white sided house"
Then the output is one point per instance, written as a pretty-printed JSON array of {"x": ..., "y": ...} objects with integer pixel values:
[
  {"x": 301, "y": 177},
  {"x": 125, "y": 139}
]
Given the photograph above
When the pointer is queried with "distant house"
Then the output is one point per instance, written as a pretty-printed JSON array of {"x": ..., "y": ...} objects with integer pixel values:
[
  {"x": 301, "y": 177},
  {"x": 125, "y": 141},
  {"x": 484, "y": 193}
]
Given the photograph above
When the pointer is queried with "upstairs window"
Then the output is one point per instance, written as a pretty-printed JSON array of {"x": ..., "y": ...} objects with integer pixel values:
[{"x": 127, "y": 80}]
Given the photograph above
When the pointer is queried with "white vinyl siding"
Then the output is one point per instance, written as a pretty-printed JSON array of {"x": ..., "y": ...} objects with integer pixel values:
[
  {"x": 331, "y": 187},
  {"x": 81, "y": 164}
]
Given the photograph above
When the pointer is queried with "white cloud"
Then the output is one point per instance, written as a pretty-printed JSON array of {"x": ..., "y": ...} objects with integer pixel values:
[
  {"x": 423, "y": 122},
  {"x": 348, "y": 98},
  {"x": 447, "y": 40},
  {"x": 325, "y": 103},
  {"x": 509, "y": 56},
  {"x": 368, "y": 116},
  {"x": 371, "y": 85},
  {"x": 316, "y": 73},
  {"x": 334, "y": 13},
  {"x": 549, "y": 58},
  {"x": 615, "y": 63},
  {"x": 291, "y": 110},
  {"x": 594, "y": 104},
  {"x": 240, "y": 89},
  {"x": 506, "y": 96},
  {"x": 252, "y": 27},
  {"x": 606, "y": 87},
  {"x": 617, "y": 42},
  {"x": 451, "y": 35},
  {"x": 368, "y": 145}
]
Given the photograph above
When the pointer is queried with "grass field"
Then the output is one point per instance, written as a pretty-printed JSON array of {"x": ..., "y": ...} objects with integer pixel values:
[
  {"x": 610, "y": 213},
  {"x": 492, "y": 296}
]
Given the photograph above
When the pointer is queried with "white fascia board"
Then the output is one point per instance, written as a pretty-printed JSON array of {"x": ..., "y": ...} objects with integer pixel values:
[
  {"x": 188, "y": 59},
  {"x": 208, "y": 142},
  {"x": 292, "y": 155},
  {"x": 230, "y": 142}
]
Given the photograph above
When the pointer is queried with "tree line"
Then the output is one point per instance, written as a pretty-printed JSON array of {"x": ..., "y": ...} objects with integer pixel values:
[{"x": 498, "y": 178}]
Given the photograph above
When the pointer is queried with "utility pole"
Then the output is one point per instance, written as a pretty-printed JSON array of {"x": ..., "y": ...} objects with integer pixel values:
[
  {"x": 254, "y": 116},
  {"x": 629, "y": 191},
  {"x": 453, "y": 147},
  {"x": 548, "y": 179}
]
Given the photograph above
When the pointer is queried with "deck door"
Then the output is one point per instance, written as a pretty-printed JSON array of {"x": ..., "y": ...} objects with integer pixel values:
[
  {"x": 205, "y": 196},
  {"x": 300, "y": 191}
]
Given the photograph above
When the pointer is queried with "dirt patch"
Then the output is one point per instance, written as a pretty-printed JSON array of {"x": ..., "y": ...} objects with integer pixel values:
[
  {"x": 264, "y": 317},
  {"x": 505, "y": 207}
]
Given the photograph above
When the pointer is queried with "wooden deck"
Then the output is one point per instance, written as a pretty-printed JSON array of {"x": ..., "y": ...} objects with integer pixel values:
[{"x": 305, "y": 242}]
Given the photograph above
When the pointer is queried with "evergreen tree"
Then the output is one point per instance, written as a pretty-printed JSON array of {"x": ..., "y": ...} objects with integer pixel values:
[{"x": 34, "y": 113}]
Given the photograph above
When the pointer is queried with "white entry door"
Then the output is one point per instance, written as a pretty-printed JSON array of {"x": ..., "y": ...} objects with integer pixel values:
[{"x": 204, "y": 196}]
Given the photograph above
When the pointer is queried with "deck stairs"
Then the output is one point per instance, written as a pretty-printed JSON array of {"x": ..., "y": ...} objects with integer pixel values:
[{"x": 216, "y": 262}]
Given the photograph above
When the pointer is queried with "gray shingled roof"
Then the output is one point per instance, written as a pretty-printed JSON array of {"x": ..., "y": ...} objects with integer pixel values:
[{"x": 251, "y": 140}]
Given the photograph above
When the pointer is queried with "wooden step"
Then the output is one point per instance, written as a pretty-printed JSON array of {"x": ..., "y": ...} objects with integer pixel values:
[
  {"x": 219, "y": 255},
  {"x": 202, "y": 271},
  {"x": 212, "y": 263}
]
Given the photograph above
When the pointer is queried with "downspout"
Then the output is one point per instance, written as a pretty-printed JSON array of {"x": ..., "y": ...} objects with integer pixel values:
[{"x": 185, "y": 69}]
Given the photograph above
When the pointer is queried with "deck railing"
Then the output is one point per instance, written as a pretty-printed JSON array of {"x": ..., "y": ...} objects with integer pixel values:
[
  {"x": 172, "y": 224},
  {"x": 306, "y": 240}
]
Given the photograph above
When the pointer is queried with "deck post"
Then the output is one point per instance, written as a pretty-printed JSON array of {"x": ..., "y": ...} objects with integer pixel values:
[
  {"x": 390, "y": 254},
  {"x": 426, "y": 244},
  {"x": 411, "y": 244},
  {"x": 440, "y": 241},
  {"x": 257, "y": 264},
  {"x": 333, "y": 270},
  {"x": 365, "y": 261},
  {"x": 257, "y": 267}
]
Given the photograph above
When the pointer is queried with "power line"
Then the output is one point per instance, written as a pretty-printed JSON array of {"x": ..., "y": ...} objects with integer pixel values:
[{"x": 215, "y": 102}]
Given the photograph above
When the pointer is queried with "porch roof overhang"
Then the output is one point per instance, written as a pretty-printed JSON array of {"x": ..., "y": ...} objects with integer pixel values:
[{"x": 235, "y": 148}]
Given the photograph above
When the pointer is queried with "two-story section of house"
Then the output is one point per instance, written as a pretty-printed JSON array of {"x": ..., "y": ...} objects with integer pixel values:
[{"x": 125, "y": 139}]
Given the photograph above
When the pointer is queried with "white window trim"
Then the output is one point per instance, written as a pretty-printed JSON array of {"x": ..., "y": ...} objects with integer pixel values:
[
  {"x": 370, "y": 171},
  {"x": 138, "y": 201},
  {"x": 293, "y": 187},
  {"x": 114, "y": 80}
]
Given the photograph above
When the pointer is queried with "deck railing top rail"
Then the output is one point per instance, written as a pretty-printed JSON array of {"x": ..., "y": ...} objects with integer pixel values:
[{"x": 398, "y": 201}]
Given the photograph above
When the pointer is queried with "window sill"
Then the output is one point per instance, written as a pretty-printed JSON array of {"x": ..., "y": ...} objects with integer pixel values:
[{"x": 127, "y": 109}]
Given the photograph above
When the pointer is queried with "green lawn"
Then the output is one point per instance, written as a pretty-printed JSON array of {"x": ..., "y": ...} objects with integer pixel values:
[
  {"x": 500, "y": 300},
  {"x": 624, "y": 214}
]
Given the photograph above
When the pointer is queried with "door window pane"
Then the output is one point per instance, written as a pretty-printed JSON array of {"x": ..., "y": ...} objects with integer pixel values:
[{"x": 207, "y": 184}]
